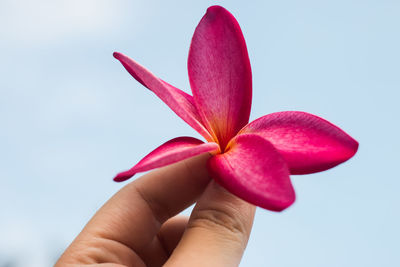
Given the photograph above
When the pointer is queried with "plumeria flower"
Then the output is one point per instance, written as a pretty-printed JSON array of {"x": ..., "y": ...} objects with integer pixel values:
[{"x": 251, "y": 160}]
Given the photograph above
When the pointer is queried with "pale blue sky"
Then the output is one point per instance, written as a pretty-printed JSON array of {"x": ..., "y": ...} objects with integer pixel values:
[{"x": 71, "y": 117}]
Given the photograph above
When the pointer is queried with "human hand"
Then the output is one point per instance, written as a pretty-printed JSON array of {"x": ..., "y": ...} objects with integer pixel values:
[{"x": 138, "y": 226}]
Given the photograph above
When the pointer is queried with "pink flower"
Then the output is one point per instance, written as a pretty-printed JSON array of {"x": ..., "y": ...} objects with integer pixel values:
[{"x": 251, "y": 160}]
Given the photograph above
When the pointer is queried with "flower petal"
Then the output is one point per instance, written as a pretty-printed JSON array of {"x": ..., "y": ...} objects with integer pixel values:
[
  {"x": 220, "y": 74},
  {"x": 170, "y": 152},
  {"x": 180, "y": 102},
  {"x": 254, "y": 170},
  {"x": 308, "y": 143}
]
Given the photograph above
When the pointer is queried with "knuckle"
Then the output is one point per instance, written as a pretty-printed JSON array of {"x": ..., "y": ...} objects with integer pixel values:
[
  {"x": 159, "y": 210},
  {"x": 225, "y": 222}
]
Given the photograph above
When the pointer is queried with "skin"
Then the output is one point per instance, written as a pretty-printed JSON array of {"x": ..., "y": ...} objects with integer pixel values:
[{"x": 139, "y": 225}]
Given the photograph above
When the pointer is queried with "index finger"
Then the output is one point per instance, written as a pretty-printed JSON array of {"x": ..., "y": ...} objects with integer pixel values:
[{"x": 134, "y": 215}]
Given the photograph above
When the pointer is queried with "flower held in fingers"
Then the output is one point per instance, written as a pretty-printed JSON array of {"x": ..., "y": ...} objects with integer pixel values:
[{"x": 251, "y": 160}]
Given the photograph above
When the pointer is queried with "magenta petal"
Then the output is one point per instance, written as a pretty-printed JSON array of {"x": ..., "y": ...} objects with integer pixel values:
[
  {"x": 308, "y": 143},
  {"x": 180, "y": 102},
  {"x": 220, "y": 74},
  {"x": 170, "y": 152},
  {"x": 254, "y": 170}
]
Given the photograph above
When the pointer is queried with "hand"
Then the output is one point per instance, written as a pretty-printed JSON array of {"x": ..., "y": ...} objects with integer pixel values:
[{"x": 138, "y": 226}]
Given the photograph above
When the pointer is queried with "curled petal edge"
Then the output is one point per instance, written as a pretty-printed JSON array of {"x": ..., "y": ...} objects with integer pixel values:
[
  {"x": 180, "y": 102},
  {"x": 170, "y": 152}
]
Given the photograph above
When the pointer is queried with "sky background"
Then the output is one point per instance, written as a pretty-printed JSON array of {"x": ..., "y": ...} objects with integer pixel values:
[{"x": 71, "y": 117}]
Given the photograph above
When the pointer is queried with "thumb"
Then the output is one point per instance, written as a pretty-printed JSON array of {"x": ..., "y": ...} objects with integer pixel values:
[{"x": 217, "y": 232}]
